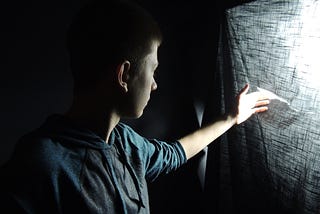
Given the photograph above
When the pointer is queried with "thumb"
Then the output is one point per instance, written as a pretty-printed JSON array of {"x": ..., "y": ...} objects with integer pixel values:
[{"x": 244, "y": 90}]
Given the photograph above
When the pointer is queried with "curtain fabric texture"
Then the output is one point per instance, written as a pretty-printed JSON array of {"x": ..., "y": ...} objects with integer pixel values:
[{"x": 271, "y": 163}]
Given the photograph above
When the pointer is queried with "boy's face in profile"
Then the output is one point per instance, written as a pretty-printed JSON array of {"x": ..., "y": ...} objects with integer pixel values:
[{"x": 143, "y": 82}]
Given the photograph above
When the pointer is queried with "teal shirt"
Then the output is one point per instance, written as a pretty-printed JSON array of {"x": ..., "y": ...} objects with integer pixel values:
[{"x": 63, "y": 168}]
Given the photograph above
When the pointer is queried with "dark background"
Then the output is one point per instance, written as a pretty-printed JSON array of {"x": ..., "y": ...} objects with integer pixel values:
[{"x": 36, "y": 82}]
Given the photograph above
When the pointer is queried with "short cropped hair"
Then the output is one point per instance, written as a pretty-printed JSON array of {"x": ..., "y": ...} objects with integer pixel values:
[{"x": 106, "y": 32}]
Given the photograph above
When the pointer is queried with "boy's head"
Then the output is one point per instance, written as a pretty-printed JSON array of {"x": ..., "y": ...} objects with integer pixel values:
[{"x": 106, "y": 33}]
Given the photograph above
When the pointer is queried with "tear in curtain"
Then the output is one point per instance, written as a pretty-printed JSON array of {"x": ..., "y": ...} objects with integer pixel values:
[{"x": 271, "y": 163}]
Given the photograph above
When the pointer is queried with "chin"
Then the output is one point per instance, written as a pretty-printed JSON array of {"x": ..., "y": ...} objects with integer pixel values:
[
  {"x": 134, "y": 115},
  {"x": 139, "y": 112},
  {"x": 139, "y": 115}
]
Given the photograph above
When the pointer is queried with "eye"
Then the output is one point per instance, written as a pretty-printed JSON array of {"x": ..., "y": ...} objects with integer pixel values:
[
  {"x": 155, "y": 74},
  {"x": 155, "y": 70}
]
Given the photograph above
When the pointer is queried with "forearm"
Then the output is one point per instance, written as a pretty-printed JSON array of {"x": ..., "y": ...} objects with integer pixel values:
[
  {"x": 247, "y": 104},
  {"x": 196, "y": 141}
]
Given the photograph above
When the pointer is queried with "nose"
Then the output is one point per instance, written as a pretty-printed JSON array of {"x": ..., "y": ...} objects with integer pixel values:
[{"x": 154, "y": 85}]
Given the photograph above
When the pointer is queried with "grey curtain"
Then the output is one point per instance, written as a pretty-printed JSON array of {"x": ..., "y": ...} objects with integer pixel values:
[{"x": 271, "y": 163}]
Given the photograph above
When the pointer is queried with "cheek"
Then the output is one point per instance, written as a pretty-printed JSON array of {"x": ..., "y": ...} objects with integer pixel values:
[{"x": 146, "y": 84}]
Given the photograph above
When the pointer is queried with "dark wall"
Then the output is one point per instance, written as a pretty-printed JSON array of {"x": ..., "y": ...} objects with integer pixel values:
[{"x": 34, "y": 69}]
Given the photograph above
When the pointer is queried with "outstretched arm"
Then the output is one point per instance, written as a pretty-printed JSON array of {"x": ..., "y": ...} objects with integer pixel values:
[{"x": 247, "y": 104}]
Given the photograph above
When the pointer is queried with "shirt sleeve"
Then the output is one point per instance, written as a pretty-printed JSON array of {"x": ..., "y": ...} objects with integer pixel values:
[
  {"x": 158, "y": 157},
  {"x": 163, "y": 157}
]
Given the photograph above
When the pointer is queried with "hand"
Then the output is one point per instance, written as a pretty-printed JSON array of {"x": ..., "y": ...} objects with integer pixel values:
[{"x": 248, "y": 104}]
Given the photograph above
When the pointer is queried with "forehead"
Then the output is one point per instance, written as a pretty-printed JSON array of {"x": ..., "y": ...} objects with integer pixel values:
[{"x": 152, "y": 57}]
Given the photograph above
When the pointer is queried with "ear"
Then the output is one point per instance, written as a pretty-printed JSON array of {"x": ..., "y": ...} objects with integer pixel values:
[{"x": 123, "y": 74}]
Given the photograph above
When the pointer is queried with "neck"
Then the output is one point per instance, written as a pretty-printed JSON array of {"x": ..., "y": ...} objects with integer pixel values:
[{"x": 94, "y": 116}]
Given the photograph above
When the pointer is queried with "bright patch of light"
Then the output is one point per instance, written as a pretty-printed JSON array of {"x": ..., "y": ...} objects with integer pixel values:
[{"x": 305, "y": 55}]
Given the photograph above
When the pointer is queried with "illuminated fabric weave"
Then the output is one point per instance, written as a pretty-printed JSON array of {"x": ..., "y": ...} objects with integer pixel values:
[{"x": 271, "y": 163}]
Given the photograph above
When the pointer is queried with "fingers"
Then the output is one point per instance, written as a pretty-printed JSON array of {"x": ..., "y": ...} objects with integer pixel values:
[
  {"x": 262, "y": 103},
  {"x": 262, "y": 96},
  {"x": 260, "y": 109},
  {"x": 258, "y": 94}
]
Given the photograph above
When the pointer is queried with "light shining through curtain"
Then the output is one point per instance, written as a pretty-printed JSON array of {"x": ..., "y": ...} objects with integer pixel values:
[{"x": 271, "y": 163}]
